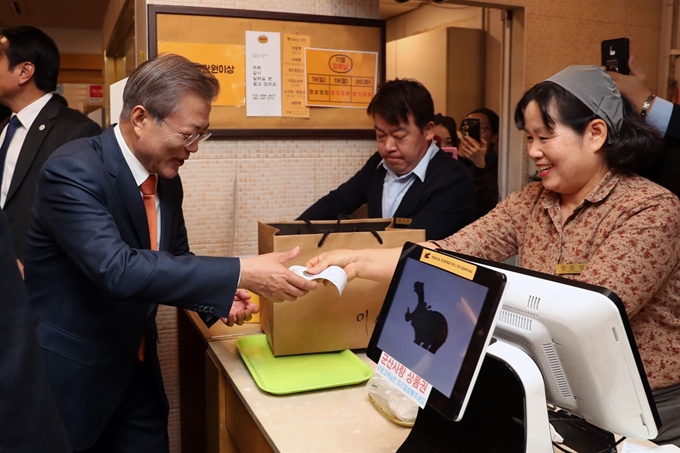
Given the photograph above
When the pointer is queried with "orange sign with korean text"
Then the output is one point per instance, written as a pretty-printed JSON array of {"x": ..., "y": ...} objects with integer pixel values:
[
  {"x": 340, "y": 78},
  {"x": 226, "y": 61}
]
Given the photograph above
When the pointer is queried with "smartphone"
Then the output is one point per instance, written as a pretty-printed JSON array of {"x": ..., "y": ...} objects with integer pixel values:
[
  {"x": 471, "y": 127},
  {"x": 614, "y": 54}
]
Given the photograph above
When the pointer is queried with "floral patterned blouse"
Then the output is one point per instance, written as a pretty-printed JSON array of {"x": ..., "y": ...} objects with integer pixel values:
[{"x": 626, "y": 233}]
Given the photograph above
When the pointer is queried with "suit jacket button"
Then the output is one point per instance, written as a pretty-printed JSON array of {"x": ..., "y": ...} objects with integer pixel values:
[{"x": 212, "y": 310}]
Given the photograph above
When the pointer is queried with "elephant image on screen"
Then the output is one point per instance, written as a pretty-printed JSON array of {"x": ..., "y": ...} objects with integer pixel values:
[
  {"x": 431, "y": 322},
  {"x": 430, "y": 327}
]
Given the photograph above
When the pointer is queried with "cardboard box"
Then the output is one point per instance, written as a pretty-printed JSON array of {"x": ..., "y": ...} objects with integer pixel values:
[{"x": 323, "y": 321}]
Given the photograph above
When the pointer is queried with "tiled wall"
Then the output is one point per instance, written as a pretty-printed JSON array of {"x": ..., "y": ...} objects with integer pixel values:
[{"x": 231, "y": 184}]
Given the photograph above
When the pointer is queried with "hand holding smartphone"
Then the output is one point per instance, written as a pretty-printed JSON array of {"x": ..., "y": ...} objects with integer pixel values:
[
  {"x": 614, "y": 55},
  {"x": 471, "y": 127}
]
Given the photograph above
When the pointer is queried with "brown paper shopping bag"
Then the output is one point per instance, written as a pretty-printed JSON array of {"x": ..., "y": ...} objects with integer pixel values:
[{"x": 322, "y": 320}]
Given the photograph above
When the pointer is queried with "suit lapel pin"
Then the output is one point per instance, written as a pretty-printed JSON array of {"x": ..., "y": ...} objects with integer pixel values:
[{"x": 42, "y": 127}]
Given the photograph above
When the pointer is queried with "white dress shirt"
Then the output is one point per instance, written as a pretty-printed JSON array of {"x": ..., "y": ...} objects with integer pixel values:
[
  {"x": 27, "y": 116},
  {"x": 660, "y": 114}
]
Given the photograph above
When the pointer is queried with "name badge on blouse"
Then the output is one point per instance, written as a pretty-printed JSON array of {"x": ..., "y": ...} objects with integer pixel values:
[
  {"x": 569, "y": 269},
  {"x": 401, "y": 221}
]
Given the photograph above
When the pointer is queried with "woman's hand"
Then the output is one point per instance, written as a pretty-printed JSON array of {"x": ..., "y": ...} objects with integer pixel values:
[
  {"x": 346, "y": 259},
  {"x": 371, "y": 264},
  {"x": 473, "y": 151}
]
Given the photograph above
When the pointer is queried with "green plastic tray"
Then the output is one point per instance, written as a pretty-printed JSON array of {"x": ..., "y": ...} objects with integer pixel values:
[{"x": 299, "y": 373}]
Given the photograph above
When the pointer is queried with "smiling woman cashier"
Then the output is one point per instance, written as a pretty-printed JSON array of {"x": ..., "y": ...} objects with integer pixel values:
[{"x": 590, "y": 219}]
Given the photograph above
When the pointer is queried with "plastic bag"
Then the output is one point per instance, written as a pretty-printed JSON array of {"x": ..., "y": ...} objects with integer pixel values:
[{"x": 389, "y": 400}]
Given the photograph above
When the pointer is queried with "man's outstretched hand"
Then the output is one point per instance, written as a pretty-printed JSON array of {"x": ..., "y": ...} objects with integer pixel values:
[{"x": 242, "y": 309}]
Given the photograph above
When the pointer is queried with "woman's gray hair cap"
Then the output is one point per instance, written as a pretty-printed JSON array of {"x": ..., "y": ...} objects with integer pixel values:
[{"x": 596, "y": 89}]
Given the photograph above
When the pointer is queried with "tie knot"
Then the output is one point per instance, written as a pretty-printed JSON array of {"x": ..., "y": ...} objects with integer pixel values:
[
  {"x": 149, "y": 186},
  {"x": 14, "y": 121}
]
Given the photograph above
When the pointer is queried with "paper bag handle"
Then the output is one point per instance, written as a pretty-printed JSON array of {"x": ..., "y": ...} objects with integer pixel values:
[{"x": 337, "y": 230}]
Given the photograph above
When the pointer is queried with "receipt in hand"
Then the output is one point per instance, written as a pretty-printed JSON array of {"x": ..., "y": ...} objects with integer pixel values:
[{"x": 334, "y": 274}]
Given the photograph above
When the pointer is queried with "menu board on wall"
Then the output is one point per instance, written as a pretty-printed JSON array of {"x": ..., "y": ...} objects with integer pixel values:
[{"x": 340, "y": 78}]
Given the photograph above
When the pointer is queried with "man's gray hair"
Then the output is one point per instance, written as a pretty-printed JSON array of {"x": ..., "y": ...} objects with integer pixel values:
[{"x": 159, "y": 85}]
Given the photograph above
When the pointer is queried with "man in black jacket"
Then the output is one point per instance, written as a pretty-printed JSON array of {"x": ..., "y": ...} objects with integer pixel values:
[
  {"x": 39, "y": 124},
  {"x": 409, "y": 178},
  {"x": 29, "y": 419}
]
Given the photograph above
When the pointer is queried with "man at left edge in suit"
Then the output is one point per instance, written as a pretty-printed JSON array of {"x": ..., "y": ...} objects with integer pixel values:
[
  {"x": 29, "y": 421},
  {"x": 29, "y": 67}
]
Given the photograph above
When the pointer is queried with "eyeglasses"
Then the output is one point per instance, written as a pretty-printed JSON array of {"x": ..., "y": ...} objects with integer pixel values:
[{"x": 189, "y": 139}]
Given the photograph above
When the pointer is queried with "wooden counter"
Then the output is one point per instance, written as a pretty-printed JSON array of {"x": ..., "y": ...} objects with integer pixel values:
[
  {"x": 332, "y": 420},
  {"x": 193, "y": 338}
]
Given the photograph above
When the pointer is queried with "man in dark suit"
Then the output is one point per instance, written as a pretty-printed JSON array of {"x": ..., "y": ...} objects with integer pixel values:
[
  {"x": 28, "y": 415},
  {"x": 102, "y": 252},
  {"x": 29, "y": 66},
  {"x": 663, "y": 115},
  {"x": 409, "y": 178}
]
